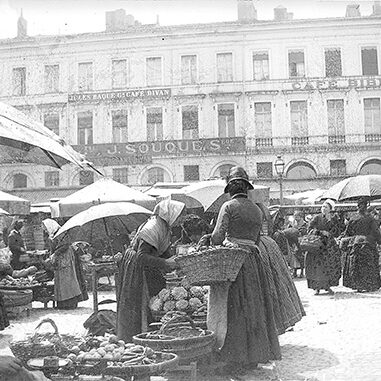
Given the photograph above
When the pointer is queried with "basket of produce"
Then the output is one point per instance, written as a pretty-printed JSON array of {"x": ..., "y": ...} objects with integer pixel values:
[
  {"x": 179, "y": 335},
  {"x": 191, "y": 300},
  {"x": 10, "y": 283},
  {"x": 15, "y": 298},
  {"x": 44, "y": 344},
  {"x": 211, "y": 265}
]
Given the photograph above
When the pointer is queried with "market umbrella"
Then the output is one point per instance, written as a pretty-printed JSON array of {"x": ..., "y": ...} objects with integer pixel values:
[
  {"x": 101, "y": 222},
  {"x": 102, "y": 191},
  {"x": 306, "y": 197},
  {"x": 13, "y": 204},
  {"x": 3, "y": 212},
  {"x": 353, "y": 188},
  {"x": 23, "y": 140}
]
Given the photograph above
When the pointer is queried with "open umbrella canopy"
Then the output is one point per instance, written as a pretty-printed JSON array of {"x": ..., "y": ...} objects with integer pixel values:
[
  {"x": 13, "y": 204},
  {"x": 353, "y": 188},
  {"x": 306, "y": 197},
  {"x": 102, "y": 191},
  {"x": 3, "y": 212},
  {"x": 23, "y": 140},
  {"x": 102, "y": 221}
]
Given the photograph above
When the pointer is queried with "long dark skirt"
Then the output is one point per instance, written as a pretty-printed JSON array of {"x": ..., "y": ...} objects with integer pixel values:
[
  {"x": 3, "y": 314},
  {"x": 72, "y": 303},
  {"x": 251, "y": 330},
  {"x": 288, "y": 307},
  {"x": 361, "y": 268},
  {"x": 323, "y": 269},
  {"x": 130, "y": 293}
]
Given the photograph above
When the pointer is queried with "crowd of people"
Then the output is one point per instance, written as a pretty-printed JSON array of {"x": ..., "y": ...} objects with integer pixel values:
[{"x": 247, "y": 315}]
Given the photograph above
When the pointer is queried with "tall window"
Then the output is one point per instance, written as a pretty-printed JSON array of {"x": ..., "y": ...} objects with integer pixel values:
[
  {"x": 226, "y": 125},
  {"x": 153, "y": 175},
  {"x": 191, "y": 173},
  {"x": 85, "y": 127},
  {"x": 372, "y": 116},
  {"x": 154, "y": 71},
  {"x": 263, "y": 123},
  {"x": 119, "y": 73},
  {"x": 265, "y": 170},
  {"x": 188, "y": 69},
  {"x": 154, "y": 123},
  {"x": 119, "y": 126},
  {"x": 336, "y": 127},
  {"x": 337, "y": 167},
  {"x": 224, "y": 67},
  {"x": 51, "y": 78},
  {"x": 86, "y": 177},
  {"x": 52, "y": 121},
  {"x": 369, "y": 61},
  {"x": 190, "y": 121},
  {"x": 85, "y": 76},
  {"x": 299, "y": 122},
  {"x": 296, "y": 65},
  {"x": 20, "y": 180},
  {"x": 261, "y": 66},
  {"x": 19, "y": 81},
  {"x": 120, "y": 175},
  {"x": 333, "y": 66},
  {"x": 52, "y": 179}
]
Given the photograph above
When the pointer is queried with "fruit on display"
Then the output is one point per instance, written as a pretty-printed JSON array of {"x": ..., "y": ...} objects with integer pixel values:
[
  {"x": 181, "y": 298},
  {"x": 111, "y": 350},
  {"x": 9, "y": 281}
]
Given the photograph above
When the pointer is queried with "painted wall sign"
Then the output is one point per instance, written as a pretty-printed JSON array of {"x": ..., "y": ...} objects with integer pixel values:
[
  {"x": 119, "y": 96},
  {"x": 340, "y": 83},
  {"x": 143, "y": 152}
]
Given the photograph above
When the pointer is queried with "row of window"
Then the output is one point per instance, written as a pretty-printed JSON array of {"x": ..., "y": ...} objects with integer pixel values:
[
  {"x": 299, "y": 170},
  {"x": 226, "y": 122},
  {"x": 189, "y": 69}
]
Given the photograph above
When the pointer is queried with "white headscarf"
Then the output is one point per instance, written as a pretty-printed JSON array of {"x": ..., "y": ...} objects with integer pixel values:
[
  {"x": 156, "y": 231},
  {"x": 51, "y": 226}
]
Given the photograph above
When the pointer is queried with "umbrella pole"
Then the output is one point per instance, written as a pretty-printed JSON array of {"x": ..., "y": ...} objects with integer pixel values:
[{"x": 108, "y": 236}]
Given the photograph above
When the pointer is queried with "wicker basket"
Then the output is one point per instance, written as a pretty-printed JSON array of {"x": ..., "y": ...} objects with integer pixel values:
[
  {"x": 213, "y": 265},
  {"x": 15, "y": 298},
  {"x": 44, "y": 344},
  {"x": 188, "y": 348}
]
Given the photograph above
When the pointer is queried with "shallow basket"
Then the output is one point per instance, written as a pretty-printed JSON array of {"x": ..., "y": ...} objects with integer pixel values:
[
  {"x": 187, "y": 348},
  {"x": 213, "y": 265}
]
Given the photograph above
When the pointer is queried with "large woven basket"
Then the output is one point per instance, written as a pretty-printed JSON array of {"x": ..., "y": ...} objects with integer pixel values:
[
  {"x": 15, "y": 298},
  {"x": 44, "y": 344},
  {"x": 187, "y": 348},
  {"x": 213, "y": 265}
]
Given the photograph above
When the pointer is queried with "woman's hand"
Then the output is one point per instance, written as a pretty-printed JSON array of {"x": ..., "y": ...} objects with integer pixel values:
[
  {"x": 171, "y": 263},
  {"x": 9, "y": 365}
]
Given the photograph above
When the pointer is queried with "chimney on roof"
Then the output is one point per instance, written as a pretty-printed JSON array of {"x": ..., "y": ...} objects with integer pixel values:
[
  {"x": 157, "y": 20},
  {"x": 118, "y": 20},
  {"x": 377, "y": 8},
  {"x": 22, "y": 25},
  {"x": 281, "y": 14},
  {"x": 246, "y": 11},
  {"x": 353, "y": 10}
]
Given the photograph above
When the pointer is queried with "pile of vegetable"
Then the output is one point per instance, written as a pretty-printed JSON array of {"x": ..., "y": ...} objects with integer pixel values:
[
  {"x": 110, "y": 351},
  {"x": 180, "y": 298},
  {"x": 8, "y": 281}
]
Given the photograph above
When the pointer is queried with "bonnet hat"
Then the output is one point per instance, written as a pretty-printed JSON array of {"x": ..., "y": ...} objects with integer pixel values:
[
  {"x": 331, "y": 203},
  {"x": 237, "y": 173}
]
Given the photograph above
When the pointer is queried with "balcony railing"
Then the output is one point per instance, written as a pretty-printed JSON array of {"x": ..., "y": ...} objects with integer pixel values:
[
  {"x": 336, "y": 139},
  {"x": 299, "y": 141},
  {"x": 371, "y": 138},
  {"x": 263, "y": 142}
]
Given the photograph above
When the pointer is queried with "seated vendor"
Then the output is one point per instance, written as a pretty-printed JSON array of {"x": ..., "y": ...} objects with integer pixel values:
[{"x": 16, "y": 245}]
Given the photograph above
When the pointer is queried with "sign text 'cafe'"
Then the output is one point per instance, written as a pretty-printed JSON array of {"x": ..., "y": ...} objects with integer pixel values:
[{"x": 340, "y": 83}]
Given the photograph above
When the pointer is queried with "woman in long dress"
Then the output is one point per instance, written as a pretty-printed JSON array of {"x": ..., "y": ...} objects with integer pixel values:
[
  {"x": 323, "y": 268},
  {"x": 361, "y": 259},
  {"x": 142, "y": 267}
]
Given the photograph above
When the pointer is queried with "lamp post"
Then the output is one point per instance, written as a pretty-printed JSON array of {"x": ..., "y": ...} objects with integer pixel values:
[{"x": 279, "y": 169}]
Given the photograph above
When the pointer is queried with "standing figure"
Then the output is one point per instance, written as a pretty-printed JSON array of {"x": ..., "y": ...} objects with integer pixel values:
[
  {"x": 323, "y": 268},
  {"x": 16, "y": 245},
  {"x": 361, "y": 259},
  {"x": 142, "y": 267}
]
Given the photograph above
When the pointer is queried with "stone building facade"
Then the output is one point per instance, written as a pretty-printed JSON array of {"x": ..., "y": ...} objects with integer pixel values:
[{"x": 150, "y": 103}]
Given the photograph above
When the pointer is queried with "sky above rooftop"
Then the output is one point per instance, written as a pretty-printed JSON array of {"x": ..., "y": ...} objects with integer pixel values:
[{"x": 51, "y": 17}]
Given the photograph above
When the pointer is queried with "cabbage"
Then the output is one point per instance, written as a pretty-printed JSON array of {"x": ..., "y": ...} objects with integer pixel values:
[
  {"x": 182, "y": 305},
  {"x": 197, "y": 292},
  {"x": 179, "y": 293},
  {"x": 165, "y": 294},
  {"x": 195, "y": 303},
  {"x": 169, "y": 306}
]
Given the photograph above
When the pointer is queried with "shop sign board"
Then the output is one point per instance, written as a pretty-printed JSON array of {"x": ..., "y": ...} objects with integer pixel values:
[{"x": 337, "y": 83}]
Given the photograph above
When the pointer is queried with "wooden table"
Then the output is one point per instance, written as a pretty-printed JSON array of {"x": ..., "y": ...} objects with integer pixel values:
[{"x": 99, "y": 270}]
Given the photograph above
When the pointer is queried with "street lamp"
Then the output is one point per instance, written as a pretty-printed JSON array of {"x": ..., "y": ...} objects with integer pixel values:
[{"x": 279, "y": 169}]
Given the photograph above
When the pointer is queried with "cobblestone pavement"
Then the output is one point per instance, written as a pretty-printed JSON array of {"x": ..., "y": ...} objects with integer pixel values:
[{"x": 338, "y": 340}]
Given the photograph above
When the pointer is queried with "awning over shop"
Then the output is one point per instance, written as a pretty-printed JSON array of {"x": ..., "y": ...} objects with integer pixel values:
[{"x": 14, "y": 205}]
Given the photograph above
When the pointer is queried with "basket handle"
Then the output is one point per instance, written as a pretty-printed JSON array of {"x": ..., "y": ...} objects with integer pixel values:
[
  {"x": 47, "y": 320},
  {"x": 174, "y": 319}
]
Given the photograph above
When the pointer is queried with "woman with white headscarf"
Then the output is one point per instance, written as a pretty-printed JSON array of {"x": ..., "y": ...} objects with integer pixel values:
[
  {"x": 142, "y": 268},
  {"x": 323, "y": 268}
]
